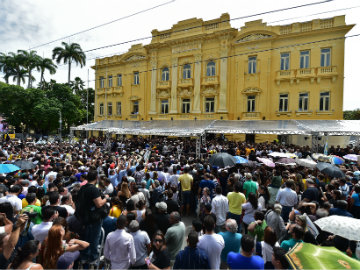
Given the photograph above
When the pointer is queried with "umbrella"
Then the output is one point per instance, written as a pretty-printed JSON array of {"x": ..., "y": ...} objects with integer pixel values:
[
  {"x": 222, "y": 160},
  {"x": 267, "y": 162},
  {"x": 321, "y": 157},
  {"x": 8, "y": 168},
  {"x": 306, "y": 162},
  {"x": 251, "y": 164},
  {"x": 330, "y": 169},
  {"x": 241, "y": 160},
  {"x": 25, "y": 164},
  {"x": 346, "y": 227},
  {"x": 309, "y": 256},
  {"x": 281, "y": 155},
  {"x": 286, "y": 161},
  {"x": 336, "y": 160},
  {"x": 351, "y": 157}
]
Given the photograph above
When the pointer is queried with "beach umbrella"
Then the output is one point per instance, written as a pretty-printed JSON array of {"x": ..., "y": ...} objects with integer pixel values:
[
  {"x": 24, "y": 164},
  {"x": 266, "y": 162},
  {"x": 241, "y": 160},
  {"x": 306, "y": 162},
  {"x": 351, "y": 157},
  {"x": 346, "y": 227},
  {"x": 286, "y": 162},
  {"x": 222, "y": 160},
  {"x": 330, "y": 169},
  {"x": 309, "y": 256},
  {"x": 337, "y": 160},
  {"x": 8, "y": 168}
]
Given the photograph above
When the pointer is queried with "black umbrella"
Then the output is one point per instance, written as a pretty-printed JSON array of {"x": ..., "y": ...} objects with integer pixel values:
[
  {"x": 330, "y": 169},
  {"x": 25, "y": 164},
  {"x": 222, "y": 160}
]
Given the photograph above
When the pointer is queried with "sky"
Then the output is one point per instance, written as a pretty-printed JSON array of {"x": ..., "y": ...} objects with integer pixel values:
[{"x": 29, "y": 24}]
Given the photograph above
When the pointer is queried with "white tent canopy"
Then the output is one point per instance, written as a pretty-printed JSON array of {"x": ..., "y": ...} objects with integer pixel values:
[{"x": 188, "y": 128}]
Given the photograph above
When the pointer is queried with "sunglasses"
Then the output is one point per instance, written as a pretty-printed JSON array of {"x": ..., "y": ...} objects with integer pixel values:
[{"x": 158, "y": 240}]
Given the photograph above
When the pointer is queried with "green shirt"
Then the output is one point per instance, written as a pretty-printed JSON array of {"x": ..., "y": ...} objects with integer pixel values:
[
  {"x": 259, "y": 231},
  {"x": 250, "y": 186},
  {"x": 33, "y": 208}
]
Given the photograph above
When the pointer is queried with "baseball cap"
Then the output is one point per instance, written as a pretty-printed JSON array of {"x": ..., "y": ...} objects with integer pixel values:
[
  {"x": 112, "y": 165},
  {"x": 66, "y": 259}
]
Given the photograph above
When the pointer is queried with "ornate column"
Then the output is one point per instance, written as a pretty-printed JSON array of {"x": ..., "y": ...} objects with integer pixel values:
[
  {"x": 174, "y": 77},
  {"x": 223, "y": 74},
  {"x": 197, "y": 83},
  {"x": 153, "y": 63}
]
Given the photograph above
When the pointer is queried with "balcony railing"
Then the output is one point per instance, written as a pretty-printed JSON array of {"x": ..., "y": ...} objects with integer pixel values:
[
  {"x": 186, "y": 82},
  {"x": 251, "y": 114},
  {"x": 327, "y": 70},
  {"x": 211, "y": 80},
  {"x": 164, "y": 84},
  {"x": 305, "y": 72}
]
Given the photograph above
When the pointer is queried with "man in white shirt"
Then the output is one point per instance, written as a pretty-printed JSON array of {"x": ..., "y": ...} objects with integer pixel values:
[
  {"x": 142, "y": 244},
  {"x": 40, "y": 231},
  {"x": 287, "y": 198},
  {"x": 13, "y": 199},
  {"x": 120, "y": 247},
  {"x": 220, "y": 207},
  {"x": 211, "y": 243}
]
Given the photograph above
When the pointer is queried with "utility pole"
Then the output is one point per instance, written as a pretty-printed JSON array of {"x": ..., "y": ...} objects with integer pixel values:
[
  {"x": 60, "y": 124},
  {"x": 87, "y": 101}
]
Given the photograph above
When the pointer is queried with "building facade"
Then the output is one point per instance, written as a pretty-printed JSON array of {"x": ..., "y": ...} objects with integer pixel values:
[{"x": 209, "y": 70}]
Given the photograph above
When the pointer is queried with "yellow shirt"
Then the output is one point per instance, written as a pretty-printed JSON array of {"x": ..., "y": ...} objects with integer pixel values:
[
  {"x": 25, "y": 203},
  {"x": 236, "y": 199},
  {"x": 186, "y": 181}
]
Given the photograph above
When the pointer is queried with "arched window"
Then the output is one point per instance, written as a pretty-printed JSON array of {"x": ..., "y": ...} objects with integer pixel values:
[
  {"x": 187, "y": 71},
  {"x": 165, "y": 74},
  {"x": 210, "y": 69}
]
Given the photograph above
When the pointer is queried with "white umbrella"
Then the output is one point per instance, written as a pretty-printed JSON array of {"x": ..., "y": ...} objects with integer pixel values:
[
  {"x": 351, "y": 157},
  {"x": 306, "y": 162},
  {"x": 346, "y": 227},
  {"x": 281, "y": 155}
]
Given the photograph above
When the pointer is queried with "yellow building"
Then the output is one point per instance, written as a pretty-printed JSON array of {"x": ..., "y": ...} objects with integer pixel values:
[{"x": 209, "y": 70}]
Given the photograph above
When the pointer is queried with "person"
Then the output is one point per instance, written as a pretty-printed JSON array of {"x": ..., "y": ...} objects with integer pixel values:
[
  {"x": 245, "y": 259},
  {"x": 66, "y": 261},
  {"x": 297, "y": 235},
  {"x": 171, "y": 204},
  {"x": 266, "y": 247},
  {"x": 249, "y": 185},
  {"x": 340, "y": 209},
  {"x": 355, "y": 199},
  {"x": 186, "y": 182},
  {"x": 275, "y": 221},
  {"x": 308, "y": 236},
  {"x": 40, "y": 231},
  {"x": 279, "y": 259},
  {"x": 54, "y": 199},
  {"x": 88, "y": 200},
  {"x": 116, "y": 207},
  {"x": 232, "y": 240},
  {"x": 9, "y": 241},
  {"x": 175, "y": 235},
  {"x": 26, "y": 255},
  {"x": 250, "y": 207},
  {"x": 161, "y": 217},
  {"x": 311, "y": 193},
  {"x": 257, "y": 228},
  {"x": 191, "y": 257},
  {"x": 32, "y": 208},
  {"x": 12, "y": 198},
  {"x": 119, "y": 246},
  {"x": 142, "y": 245},
  {"x": 287, "y": 198},
  {"x": 149, "y": 224},
  {"x": 54, "y": 246},
  {"x": 236, "y": 200},
  {"x": 160, "y": 255},
  {"x": 211, "y": 243},
  {"x": 220, "y": 207}
]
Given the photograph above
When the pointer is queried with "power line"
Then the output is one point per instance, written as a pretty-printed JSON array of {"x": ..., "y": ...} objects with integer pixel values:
[
  {"x": 104, "y": 24},
  {"x": 249, "y": 53},
  {"x": 194, "y": 27}
]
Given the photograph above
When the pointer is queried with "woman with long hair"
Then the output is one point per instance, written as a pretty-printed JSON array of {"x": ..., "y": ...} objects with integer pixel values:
[
  {"x": 25, "y": 256},
  {"x": 54, "y": 246},
  {"x": 124, "y": 194},
  {"x": 160, "y": 258},
  {"x": 264, "y": 196},
  {"x": 266, "y": 247},
  {"x": 249, "y": 208}
]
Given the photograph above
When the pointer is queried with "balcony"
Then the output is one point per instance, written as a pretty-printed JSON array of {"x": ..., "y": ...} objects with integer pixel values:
[
  {"x": 164, "y": 84},
  {"x": 285, "y": 75},
  {"x": 185, "y": 82},
  {"x": 100, "y": 91},
  {"x": 213, "y": 80},
  {"x": 119, "y": 90},
  {"x": 251, "y": 115},
  {"x": 327, "y": 72}
]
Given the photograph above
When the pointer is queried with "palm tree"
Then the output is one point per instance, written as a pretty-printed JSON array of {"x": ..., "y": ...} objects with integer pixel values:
[
  {"x": 77, "y": 85},
  {"x": 46, "y": 64},
  {"x": 20, "y": 76},
  {"x": 17, "y": 69},
  {"x": 30, "y": 61},
  {"x": 6, "y": 66},
  {"x": 70, "y": 52}
]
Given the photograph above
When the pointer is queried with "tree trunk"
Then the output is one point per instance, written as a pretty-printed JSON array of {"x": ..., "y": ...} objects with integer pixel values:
[
  {"x": 18, "y": 80},
  {"x": 69, "y": 71},
  {"x": 29, "y": 82}
]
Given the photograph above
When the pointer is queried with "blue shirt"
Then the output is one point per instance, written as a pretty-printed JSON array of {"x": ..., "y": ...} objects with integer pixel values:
[
  {"x": 339, "y": 212},
  {"x": 191, "y": 258},
  {"x": 232, "y": 243},
  {"x": 356, "y": 197},
  {"x": 289, "y": 244},
  {"x": 238, "y": 261}
]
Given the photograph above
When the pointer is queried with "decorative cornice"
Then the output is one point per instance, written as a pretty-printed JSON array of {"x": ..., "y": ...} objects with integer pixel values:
[
  {"x": 253, "y": 37},
  {"x": 251, "y": 90}
]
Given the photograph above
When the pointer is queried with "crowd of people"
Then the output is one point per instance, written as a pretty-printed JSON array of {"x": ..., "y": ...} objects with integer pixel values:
[{"x": 81, "y": 205}]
